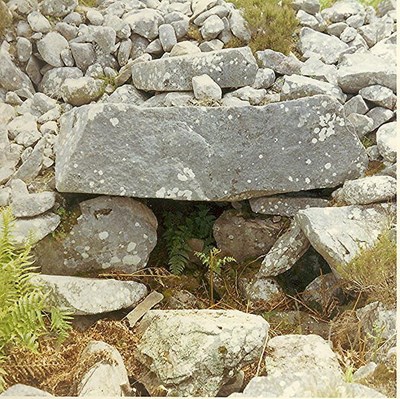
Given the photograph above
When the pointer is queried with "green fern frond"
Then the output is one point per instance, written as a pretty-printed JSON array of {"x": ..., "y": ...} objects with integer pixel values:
[{"x": 61, "y": 323}]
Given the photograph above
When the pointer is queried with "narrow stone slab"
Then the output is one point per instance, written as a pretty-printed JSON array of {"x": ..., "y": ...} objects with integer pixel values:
[
  {"x": 228, "y": 68},
  {"x": 149, "y": 302},
  {"x": 207, "y": 154}
]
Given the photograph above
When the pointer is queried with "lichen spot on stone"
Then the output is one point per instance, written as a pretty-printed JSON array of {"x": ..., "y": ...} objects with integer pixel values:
[{"x": 103, "y": 235}]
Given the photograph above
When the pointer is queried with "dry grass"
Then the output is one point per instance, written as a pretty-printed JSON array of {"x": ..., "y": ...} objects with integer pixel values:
[
  {"x": 273, "y": 24},
  {"x": 5, "y": 18}
]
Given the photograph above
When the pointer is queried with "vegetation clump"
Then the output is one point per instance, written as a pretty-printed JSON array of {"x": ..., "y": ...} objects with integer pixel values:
[
  {"x": 22, "y": 302},
  {"x": 5, "y": 18},
  {"x": 272, "y": 23}
]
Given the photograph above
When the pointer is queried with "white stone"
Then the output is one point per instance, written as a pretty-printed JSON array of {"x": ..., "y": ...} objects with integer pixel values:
[{"x": 205, "y": 88}]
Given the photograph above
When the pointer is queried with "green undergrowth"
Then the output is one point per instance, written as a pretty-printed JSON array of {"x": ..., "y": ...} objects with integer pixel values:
[
  {"x": 22, "y": 303},
  {"x": 330, "y": 3},
  {"x": 272, "y": 23}
]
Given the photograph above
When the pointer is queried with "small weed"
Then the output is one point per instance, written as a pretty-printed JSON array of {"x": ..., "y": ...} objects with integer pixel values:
[
  {"x": 273, "y": 24},
  {"x": 195, "y": 34},
  {"x": 374, "y": 167},
  {"x": 88, "y": 3}
]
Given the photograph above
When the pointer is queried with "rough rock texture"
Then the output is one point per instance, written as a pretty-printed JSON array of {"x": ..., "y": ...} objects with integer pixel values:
[
  {"x": 367, "y": 190},
  {"x": 287, "y": 250},
  {"x": 244, "y": 238},
  {"x": 313, "y": 149},
  {"x": 108, "y": 376},
  {"x": 195, "y": 352},
  {"x": 262, "y": 290},
  {"x": 228, "y": 68},
  {"x": 112, "y": 233},
  {"x": 84, "y": 296},
  {"x": 338, "y": 233},
  {"x": 24, "y": 390},
  {"x": 285, "y": 205},
  {"x": 386, "y": 138}
]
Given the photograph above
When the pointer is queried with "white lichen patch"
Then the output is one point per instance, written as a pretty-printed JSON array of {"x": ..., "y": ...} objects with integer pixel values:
[
  {"x": 103, "y": 235},
  {"x": 114, "y": 121}
]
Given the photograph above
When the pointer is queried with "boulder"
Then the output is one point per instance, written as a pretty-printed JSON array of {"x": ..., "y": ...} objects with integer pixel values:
[
  {"x": 58, "y": 8},
  {"x": 54, "y": 78},
  {"x": 81, "y": 91},
  {"x": 386, "y": 138},
  {"x": 195, "y": 352},
  {"x": 262, "y": 291},
  {"x": 205, "y": 88},
  {"x": 326, "y": 46},
  {"x": 145, "y": 22},
  {"x": 379, "y": 116},
  {"x": 339, "y": 233},
  {"x": 306, "y": 154},
  {"x": 309, "y": 6},
  {"x": 342, "y": 10},
  {"x": 278, "y": 62},
  {"x": 85, "y": 296},
  {"x": 356, "y": 105},
  {"x": 244, "y": 238},
  {"x": 239, "y": 26},
  {"x": 51, "y": 47},
  {"x": 24, "y": 390},
  {"x": 228, "y": 68},
  {"x": 359, "y": 70},
  {"x": 111, "y": 233},
  {"x": 379, "y": 95}
]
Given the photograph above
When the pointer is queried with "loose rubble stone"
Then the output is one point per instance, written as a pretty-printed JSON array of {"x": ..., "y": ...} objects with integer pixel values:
[
  {"x": 285, "y": 205},
  {"x": 219, "y": 177},
  {"x": 24, "y": 49},
  {"x": 58, "y": 8},
  {"x": 145, "y": 22},
  {"x": 38, "y": 22},
  {"x": 356, "y": 105},
  {"x": 379, "y": 95},
  {"x": 51, "y": 47},
  {"x": 195, "y": 352},
  {"x": 81, "y": 91},
  {"x": 359, "y": 70},
  {"x": 338, "y": 233},
  {"x": 247, "y": 93},
  {"x": 205, "y": 88},
  {"x": 310, "y": 6},
  {"x": 342, "y": 10},
  {"x": 386, "y": 138},
  {"x": 367, "y": 190},
  {"x": 286, "y": 251},
  {"x": 297, "y": 86},
  {"x": 112, "y": 233},
  {"x": 328, "y": 47},
  {"x": 167, "y": 37},
  {"x": 84, "y": 296},
  {"x": 184, "y": 48},
  {"x": 228, "y": 68},
  {"x": 127, "y": 94},
  {"x": 265, "y": 78},
  {"x": 212, "y": 27},
  {"x": 244, "y": 238},
  {"x": 278, "y": 62},
  {"x": 379, "y": 116},
  {"x": 54, "y": 78},
  {"x": 108, "y": 376},
  {"x": 262, "y": 290},
  {"x": 239, "y": 26},
  {"x": 360, "y": 124},
  {"x": 24, "y": 390},
  {"x": 316, "y": 69}
]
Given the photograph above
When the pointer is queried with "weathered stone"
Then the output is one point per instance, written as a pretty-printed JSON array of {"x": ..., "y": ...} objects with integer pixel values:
[
  {"x": 127, "y": 94},
  {"x": 342, "y": 10},
  {"x": 297, "y": 86},
  {"x": 7, "y": 113},
  {"x": 286, "y": 251},
  {"x": 143, "y": 307},
  {"x": 316, "y": 69},
  {"x": 308, "y": 20},
  {"x": 328, "y": 47},
  {"x": 278, "y": 62},
  {"x": 195, "y": 352},
  {"x": 364, "y": 372},
  {"x": 205, "y": 88},
  {"x": 58, "y": 8},
  {"x": 51, "y": 47},
  {"x": 212, "y": 45},
  {"x": 250, "y": 94},
  {"x": 11, "y": 77},
  {"x": 24, "y": 49},
  {"x": 379, "y": 116},
  {"x": 386, "y": 139},
  {"x": 265, "y": 78},
  {"x": 285, "y": 205},
  {"x": 360, "y": 70},
  {"x": 33, "y": 229},
  {"x": 81, "y": 91},
  {"x": 95, "y": 17},
  {"x": 83, "y": 54},
  {"x": 5, "y": 194},
  {"x": 310, "y": 6},
  {"x": 314, "y": 121},
  {"x": 239, "y": 26},
  {"x": 111, "y": 233},
  {"x": 361, "y": 125},
  {"x": 38, "y": 22},
  {"x": 356, "y": 105},
  {"x": 339, "y": 233},
  {"x": 228, "y": 68},
  {"x": 184, "y": 48},
  {"x": 367, "y": 190},
  {"x": 212, "y": 27},
  {"x": 145, "y": 22},
  {"x": 336, "y": 28},
  {"x": 167, "y": 36},
  {"x": 178, "y": 99},
  {"x": 54, "y": 78},
  {"x": 379, "y": 95},
  {"x": 107, "y": 377},
  {"x": 24, "y": 390},
  {"x": 261, "y": 290},
  {"x": 244, "y": 238},
  {"x": 84, "y": 296}
]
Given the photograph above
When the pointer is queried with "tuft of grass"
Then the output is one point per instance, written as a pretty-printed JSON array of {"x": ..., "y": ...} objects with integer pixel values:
[
  {"x": 194, "y": 33},
  {"x": 330, "y": 3},
  {"x": 273, "y": 24},
  {"x": 5, "y": 18},
  {"x": 88, "y": 3},
  {"x": 372, "y": 273}
]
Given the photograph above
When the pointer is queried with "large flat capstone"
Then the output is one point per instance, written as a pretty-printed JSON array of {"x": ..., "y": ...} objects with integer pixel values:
[
  {"x": 228, "y": 68},
  {"x": 207, "y": 154}
]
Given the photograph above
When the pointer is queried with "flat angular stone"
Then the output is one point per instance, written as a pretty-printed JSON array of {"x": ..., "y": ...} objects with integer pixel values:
[
  {"x": 356, "y": 105},
  {"x": 32, "y": 204},
  {"x": 84, "y": 296},
  {"x": 51, "y": 47},
  {"x": 140, "y": 310},
  {"x": 284, "y": 205},
  {"x": 338, "y": 233},
  {"x": 228, "y": 68},
  {"x": 286, "y": 251},
  {"x": 379, "y": 95},
  {"x": 235, "y": 164},
  {"x": 278, "y": 62},
  {"x": 379, "y": 116},
  {"x": 386, "y": 138},
  {"x": 360, "y": 70}
]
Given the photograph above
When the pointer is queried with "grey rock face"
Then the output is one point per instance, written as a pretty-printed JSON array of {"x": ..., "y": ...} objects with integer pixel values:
[
  {"x": 359, "y": 124},
  {"x": 297, "y": 86},
  {"x": 352, "y": 226},
  {"x": 316, "y": 69},
  {"x": 368, "y": 190},
  {"x": 195, "y": 352},
  {"x": 286, "y": 251},
  {"x": 58, "y": 8},
  {"x": 265, "y": 78},
  {"x": 310, "y": 6},
  {"x": 53, "y": 80},
  {"x": 83, "y": 54},
  {"x": 328, "y": 47},
  {"x": 239, "y": 26},
  {"x": 285, "y": 205},
  {"x": 127, "y": 94},
  {"x": 228, "y": 68},
  {"x": 107, "y": 377},
  {"x": 313, "y": 130},
  {"x": 278, "y": 62},
  {"x": 24, "y": 390},
  {"x": 244, "y": 238},
  {"x": 167, "y": 37},
  {"x": 386, "y": 138},
  {"x": 360, "y": 70},
  {"x": 111, "y": 233},
  {"x": 84, "y": 296},
  {"x": 250, "y": 94}
]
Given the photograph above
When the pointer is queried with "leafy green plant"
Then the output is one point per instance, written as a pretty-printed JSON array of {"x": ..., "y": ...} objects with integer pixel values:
[
  {"x": 214, "y": 264},
  {"x": 179, "y": 229},
  {"x": 272, "y": 23},
  {"x": 22, "y": 303}
]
